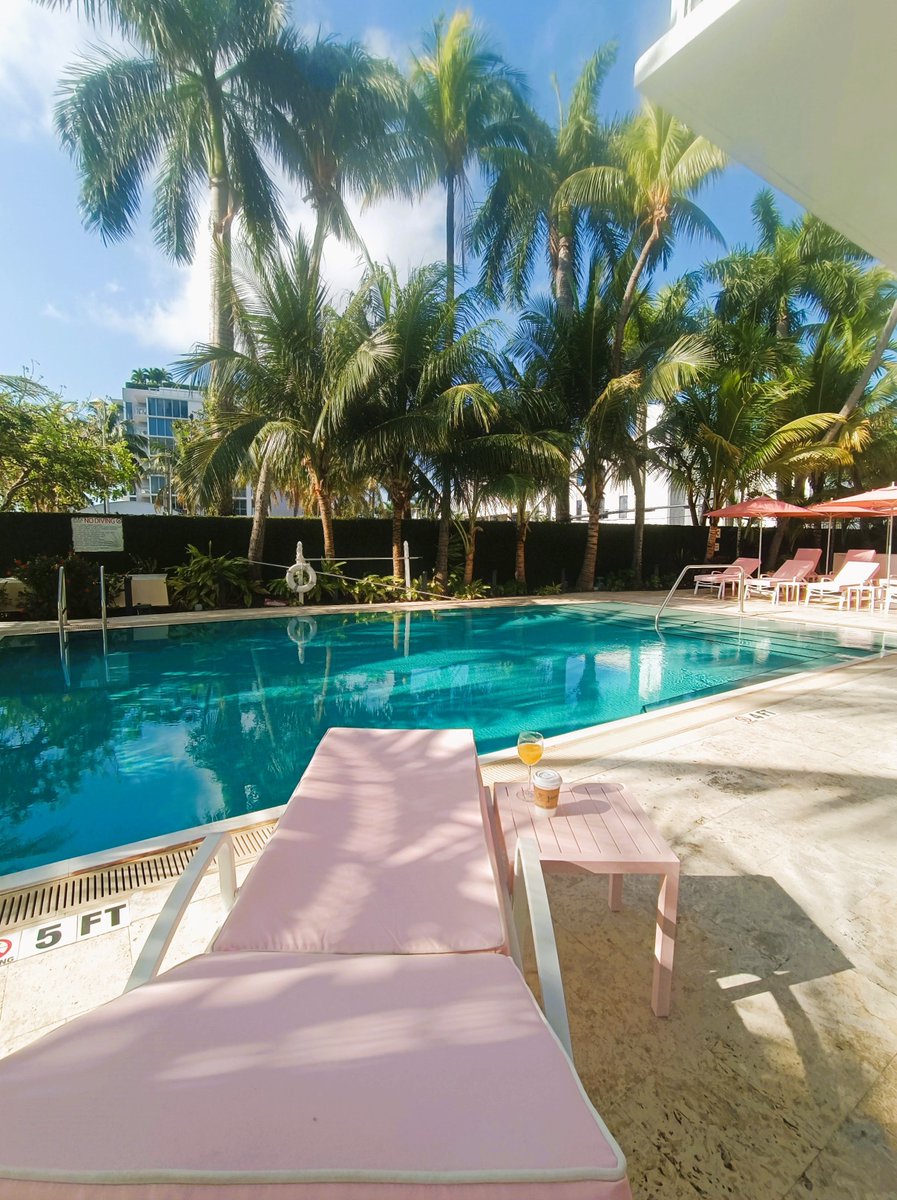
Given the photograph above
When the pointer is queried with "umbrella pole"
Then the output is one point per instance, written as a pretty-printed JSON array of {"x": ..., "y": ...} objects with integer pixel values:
[
  {"x": 890, "y": 544},
  {"x": 828, "y": 547},
  {"x": 760, "y": 548}
]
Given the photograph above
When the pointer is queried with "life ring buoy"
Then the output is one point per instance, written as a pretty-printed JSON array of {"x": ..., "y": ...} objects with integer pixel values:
[
  {"x": 301, "y": 578},
  {"x": 301, "y": 630}
]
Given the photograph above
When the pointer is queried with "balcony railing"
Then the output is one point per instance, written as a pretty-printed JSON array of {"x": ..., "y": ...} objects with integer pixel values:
[{"x": 681, "y": 8}]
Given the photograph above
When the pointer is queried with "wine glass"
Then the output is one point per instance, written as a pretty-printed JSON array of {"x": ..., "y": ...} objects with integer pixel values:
[{"x": 529, "y": 751}]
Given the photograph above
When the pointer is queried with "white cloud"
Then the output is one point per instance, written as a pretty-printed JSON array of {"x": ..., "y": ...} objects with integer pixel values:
[
  {"x": 55, "y": 313},
  {"x": 395, "y": 230},
  {"x": 382, "y": 44},
  {"x": 175, "y": 314}
]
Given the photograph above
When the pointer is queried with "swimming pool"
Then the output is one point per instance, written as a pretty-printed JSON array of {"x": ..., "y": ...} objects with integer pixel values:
[{"x": 184, "y": 724}]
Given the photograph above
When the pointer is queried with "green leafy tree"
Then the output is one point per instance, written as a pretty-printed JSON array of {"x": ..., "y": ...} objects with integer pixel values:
[{"x": 53, "y": 458}]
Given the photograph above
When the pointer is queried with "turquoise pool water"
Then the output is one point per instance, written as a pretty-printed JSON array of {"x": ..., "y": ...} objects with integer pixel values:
[{"x": 184, "y": 724}]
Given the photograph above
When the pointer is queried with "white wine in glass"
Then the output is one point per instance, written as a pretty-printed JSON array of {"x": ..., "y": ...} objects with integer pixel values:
[{"x": 529, "y": 750}]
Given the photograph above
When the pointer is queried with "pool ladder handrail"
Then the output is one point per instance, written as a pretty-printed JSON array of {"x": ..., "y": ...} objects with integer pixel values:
[{"x": 709, "y": 567}]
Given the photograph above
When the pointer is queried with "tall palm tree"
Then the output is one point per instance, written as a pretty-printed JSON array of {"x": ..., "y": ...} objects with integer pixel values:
[
  {"x": 344, "y": 133},
  {"x": 466, "y": 102},
  {"x": 522, "y": 215},
  {"x": 294, "y": 353},
  {"x": 195, "y": 109},
  {"x": 657, "y": 166}
]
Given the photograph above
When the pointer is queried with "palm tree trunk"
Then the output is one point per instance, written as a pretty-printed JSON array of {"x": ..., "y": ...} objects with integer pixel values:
[
  {"x": 520, "y": 549},
  {"x": 638, "y": 529},
  {"x": 594, "y": 498},
  {"x": 260, "y": 514},
  {"x": 853, "y": 400},
  {"x": 445, "y": 528},
  {"x": 563, "y": 275},
  {"x": 445, "y": 499},
  {"x": 317, "y": 246},
  {"x": 629, "y": 294},
  {"x": 471, "y": 550},
  {"x": 325, "y": 509},
  {"x": 397, "y": 499},
  {"x": 450, "y": 238},
  {"x": 222, "y": 214}
]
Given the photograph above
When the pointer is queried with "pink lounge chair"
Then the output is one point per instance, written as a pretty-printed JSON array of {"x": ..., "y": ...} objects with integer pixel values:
[
  {"x": 375, "y": 1038},
  {"x": 810, "y": 554},
  {"x": 729, "y": 576},
  {"x": 854, "y": 577},
  {"x": 789, "y": 575}
]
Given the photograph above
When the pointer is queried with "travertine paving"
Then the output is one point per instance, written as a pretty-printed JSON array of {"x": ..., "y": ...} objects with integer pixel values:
[{"x": 775, "y": 1077}]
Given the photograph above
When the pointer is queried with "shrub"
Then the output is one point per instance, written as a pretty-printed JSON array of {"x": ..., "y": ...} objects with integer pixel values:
[
  {"x": 212, "y": 581},
  {"x": 40, "y": 576}
]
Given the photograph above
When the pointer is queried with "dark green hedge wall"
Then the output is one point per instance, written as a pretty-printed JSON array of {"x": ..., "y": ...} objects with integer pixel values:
[{"x": 553, "y": 551}]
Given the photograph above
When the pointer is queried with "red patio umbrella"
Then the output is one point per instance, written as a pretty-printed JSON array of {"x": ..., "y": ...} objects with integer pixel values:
[
  {"x": 760, "y": 507},
  {"x": 833, "y": 509},
  {"x": 884, "y": 503}
]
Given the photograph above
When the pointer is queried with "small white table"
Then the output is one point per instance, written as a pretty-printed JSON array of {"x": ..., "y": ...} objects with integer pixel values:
[{"x": 600, "y": 828}]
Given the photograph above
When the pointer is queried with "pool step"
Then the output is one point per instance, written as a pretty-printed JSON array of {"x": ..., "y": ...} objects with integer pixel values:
[{"x": 70, "y": 893}]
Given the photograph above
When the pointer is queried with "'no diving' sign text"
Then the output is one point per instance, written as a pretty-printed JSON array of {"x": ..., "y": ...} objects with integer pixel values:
[{"x": 35, "y": 939}]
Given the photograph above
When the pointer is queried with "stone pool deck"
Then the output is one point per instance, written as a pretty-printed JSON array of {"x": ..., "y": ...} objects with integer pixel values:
[{"x": 775, "y": 1077}]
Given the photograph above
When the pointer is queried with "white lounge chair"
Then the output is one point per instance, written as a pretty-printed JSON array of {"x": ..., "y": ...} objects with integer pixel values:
[
  {"x": 854, "y": 578},
  {"x": 361, "y": 1026}
]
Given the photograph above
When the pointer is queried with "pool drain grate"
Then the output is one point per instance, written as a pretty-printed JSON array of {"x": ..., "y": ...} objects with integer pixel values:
[{"x": 60, "y": 896}]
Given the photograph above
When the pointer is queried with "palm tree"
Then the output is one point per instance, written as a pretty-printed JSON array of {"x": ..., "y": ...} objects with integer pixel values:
[
  {"x": 430, "y": 359},
  {"x": 522, "y": 214},
  {"x": 723, "y": 434},
  {"x": 197, "y": 107},
  {"x": 466, "y": 102},
  {"x": 344, "y": 133},
  {"x": 657, "y": 166},
  {"x": 294, "y": 354}
]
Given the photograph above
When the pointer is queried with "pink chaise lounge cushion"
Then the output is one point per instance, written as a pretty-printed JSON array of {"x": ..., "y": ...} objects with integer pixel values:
[
  {"x": 311, "y": 1078},
  {"x": 382, "y": 850}
]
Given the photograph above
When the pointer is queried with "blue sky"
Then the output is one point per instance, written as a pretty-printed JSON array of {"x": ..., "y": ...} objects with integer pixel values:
[{"x": 82, "y": 315}]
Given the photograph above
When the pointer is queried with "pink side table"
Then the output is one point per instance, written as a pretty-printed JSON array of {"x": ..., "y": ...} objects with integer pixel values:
[{"x": 599, "y": 827}]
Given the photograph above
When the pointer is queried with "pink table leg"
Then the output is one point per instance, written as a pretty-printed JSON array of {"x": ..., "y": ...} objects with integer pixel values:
[
  {"x": 665, "y": 944},
  {"x": 615, "y": 892}
]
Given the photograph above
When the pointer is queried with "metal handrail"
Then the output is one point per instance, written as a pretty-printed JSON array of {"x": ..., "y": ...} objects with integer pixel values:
[
  {"x": 62, "y": 607},
  {"x": 709, "y": 567}
]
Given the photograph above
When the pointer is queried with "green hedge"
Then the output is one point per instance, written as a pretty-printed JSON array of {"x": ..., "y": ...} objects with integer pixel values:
[{"x": 553, "y": 551}]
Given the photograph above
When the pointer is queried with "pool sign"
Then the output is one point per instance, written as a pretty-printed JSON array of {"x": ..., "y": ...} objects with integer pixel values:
[
  {"x": 97, "y": 535},
  {"x": 77, "y": 927}
]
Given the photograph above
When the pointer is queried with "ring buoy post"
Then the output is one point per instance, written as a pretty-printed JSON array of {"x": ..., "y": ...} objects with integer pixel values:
[{"x": 300, "y": 577}]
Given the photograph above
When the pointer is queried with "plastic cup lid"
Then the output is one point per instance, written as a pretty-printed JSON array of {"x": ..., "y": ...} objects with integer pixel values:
[{"x": 546, "y": 778}]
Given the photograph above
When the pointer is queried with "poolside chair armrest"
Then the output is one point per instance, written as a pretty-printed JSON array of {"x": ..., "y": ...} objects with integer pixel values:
[
  {"x": 530, "y": 893},
  {"x": 217, "y": 845}
]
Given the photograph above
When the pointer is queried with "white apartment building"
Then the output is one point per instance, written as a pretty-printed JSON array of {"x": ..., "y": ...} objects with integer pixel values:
[{"x": 151, "y": 414}]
